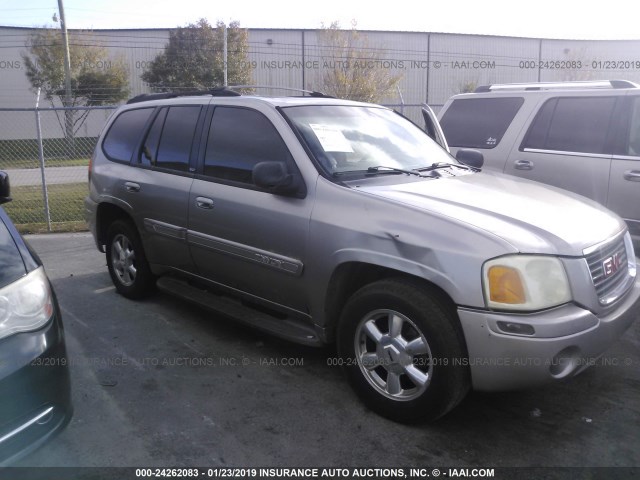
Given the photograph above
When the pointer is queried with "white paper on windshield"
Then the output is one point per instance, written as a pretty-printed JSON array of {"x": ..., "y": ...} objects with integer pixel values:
[{"x": 331, "y": 138}]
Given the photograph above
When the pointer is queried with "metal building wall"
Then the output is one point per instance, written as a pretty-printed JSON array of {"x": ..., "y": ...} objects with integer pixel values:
[{"x": 432, "y": 66}]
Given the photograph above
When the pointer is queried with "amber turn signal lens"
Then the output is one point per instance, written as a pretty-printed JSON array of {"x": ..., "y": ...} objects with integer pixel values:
[{"x": 505, "y": 285}]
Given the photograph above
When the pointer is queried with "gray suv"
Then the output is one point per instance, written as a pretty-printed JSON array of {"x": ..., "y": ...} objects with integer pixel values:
[
  {"x": 322, "y": 220},
  {"x": 580, "y": 136}
]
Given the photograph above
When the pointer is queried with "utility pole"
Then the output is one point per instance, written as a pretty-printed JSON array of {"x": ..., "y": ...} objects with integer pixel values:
[
  {"x": 68, "y": 114},
  {"x": 224, "y": 55}
]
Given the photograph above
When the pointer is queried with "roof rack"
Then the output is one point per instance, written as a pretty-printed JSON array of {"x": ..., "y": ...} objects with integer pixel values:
[
  {"x": 557, "y": 86},
  {"x": 214, "y": 92},
  {"x": 310, "y": 93},
  {"x": 228, "y": 91}
]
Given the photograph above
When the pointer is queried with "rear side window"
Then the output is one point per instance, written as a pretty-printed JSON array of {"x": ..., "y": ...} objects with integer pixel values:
[
  {"x": 240, "y": 138},
  {"x": 124, "y": 134},
  {"x": 479, "y": 122},
  {"x": 572, "y": 124}
]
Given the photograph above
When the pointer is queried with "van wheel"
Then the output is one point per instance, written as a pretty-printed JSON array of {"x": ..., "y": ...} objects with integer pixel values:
[
  {"x": 127, "y": 262},
  {"x": 403, "y": 351}
]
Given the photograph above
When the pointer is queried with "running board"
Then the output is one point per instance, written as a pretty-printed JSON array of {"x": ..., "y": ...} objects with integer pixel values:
[{"x": 287, "y": 328}]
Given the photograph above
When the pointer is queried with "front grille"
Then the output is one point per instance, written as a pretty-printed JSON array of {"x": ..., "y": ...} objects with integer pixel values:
[{"x": 611, "y": 257}]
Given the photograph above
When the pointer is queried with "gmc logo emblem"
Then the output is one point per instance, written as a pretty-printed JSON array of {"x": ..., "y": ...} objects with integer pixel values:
[{"x": 611, "y": 265}]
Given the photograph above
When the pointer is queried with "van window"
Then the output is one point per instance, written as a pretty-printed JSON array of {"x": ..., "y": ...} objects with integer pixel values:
[
  {"x": 479, "y": 122},
  {"x": 176, "y": 139},
  {"x": 240, "y": 138},
  {"x": 124, "y": 134},
  {"x": 572, "y": 124}
]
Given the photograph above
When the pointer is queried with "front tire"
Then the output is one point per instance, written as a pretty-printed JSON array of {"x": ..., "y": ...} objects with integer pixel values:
[
  {"x": 403, "y": 350},
  {"x": 127, "y": 262}
]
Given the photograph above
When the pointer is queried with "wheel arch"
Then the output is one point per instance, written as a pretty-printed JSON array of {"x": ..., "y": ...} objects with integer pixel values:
[
  {"x": 106, "y": 214},
  {"x": 349, "y": 277}
]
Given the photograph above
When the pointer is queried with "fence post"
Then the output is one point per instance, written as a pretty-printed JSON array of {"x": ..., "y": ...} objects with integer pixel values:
[{"x": 45, "y": 193}]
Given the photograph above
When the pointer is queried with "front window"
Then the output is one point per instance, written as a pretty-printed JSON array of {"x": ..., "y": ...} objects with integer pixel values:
[{"x": 354, "y": 139}]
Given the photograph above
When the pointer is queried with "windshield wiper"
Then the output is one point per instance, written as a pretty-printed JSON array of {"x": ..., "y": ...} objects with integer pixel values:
[
  {"x": 392, "y": 169},
  {"x": 434, "y": 166},
  {"x": 382, "y": 169}
]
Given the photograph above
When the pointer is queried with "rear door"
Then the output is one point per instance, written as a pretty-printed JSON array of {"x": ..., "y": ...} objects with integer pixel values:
[
  {"x": 569, "y": 145},
  {"x": 157, "y": 187}
]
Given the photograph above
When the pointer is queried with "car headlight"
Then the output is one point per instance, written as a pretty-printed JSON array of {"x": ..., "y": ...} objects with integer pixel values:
[
  {"x": 25, "y": 304},
  {"x": 525, "y": 282}
]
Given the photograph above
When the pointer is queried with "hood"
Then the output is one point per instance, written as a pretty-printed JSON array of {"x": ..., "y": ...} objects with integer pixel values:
[{"x": 531, "y": 216}]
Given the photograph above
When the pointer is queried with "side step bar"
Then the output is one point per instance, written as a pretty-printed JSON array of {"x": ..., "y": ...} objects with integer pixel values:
[{"x": 287, "y": 328}]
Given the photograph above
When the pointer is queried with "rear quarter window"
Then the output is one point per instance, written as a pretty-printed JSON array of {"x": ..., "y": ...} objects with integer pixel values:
[
  {"x": 124, "y": 134},
  {"x": 479, "y": 122}
]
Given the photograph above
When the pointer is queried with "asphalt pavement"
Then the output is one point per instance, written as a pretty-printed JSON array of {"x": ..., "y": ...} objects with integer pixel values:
[{"x": 162, "y": 383}]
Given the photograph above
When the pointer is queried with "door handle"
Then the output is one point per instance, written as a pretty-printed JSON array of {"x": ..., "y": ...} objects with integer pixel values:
[
  {"x": 203, "y": 202},
  {"x": 632, "y": 175},
  {"x": 131, "y": 187},
  {"x": 523, "y": 165}
]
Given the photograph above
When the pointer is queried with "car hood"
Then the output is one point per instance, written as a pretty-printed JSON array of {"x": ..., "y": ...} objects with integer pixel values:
[{"x": 532, "y": 217}]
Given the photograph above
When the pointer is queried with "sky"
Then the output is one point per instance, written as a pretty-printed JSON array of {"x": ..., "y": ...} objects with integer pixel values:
[{"x": 563, "y": 19}]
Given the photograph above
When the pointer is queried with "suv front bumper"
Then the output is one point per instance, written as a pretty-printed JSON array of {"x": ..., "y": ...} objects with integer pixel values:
[{"x": 568, "y": 339}]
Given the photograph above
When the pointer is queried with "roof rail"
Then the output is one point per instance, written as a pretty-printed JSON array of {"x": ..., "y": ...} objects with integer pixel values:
[
  {"x": 557, "y": 85},
  {"x": 228, "y": 91},
  {"x": 311, "y": 93},
  {"x": 215, "y": 92}
]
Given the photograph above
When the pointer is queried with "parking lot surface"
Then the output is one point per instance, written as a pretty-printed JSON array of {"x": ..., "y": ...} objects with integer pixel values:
[{"x": 163, "y": 383}]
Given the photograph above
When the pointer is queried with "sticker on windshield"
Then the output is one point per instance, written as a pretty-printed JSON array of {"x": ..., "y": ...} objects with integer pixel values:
[{"x": 331, "y": 138}]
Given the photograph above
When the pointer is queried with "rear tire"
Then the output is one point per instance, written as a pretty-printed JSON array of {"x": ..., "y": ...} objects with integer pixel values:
[
  {"x": 127, "y": 262},
  {"x": 403, "y": 351}
]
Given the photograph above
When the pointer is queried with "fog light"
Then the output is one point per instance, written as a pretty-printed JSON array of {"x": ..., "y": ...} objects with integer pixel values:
[{"x": 516, "y": 328}]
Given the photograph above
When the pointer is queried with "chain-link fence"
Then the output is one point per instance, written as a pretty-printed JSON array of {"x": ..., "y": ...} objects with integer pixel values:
[{"x": 46, "y": 153}]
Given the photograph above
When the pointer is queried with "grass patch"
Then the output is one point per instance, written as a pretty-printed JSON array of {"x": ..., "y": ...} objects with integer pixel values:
[{"x": 66, "y": 206}]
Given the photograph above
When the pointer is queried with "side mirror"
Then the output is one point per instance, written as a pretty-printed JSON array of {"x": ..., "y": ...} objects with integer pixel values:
[
  {"x": 470, "y": 157},
  {"x": 5, "y": 189},
  {"x": 275, "y": 178}
]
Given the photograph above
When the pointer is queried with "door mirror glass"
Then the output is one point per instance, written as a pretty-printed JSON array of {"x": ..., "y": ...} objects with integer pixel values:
[
  {"x": 470, "y": 157},
  {"x": 275, "y": 178},
  {"x": 5, "y": 190}
]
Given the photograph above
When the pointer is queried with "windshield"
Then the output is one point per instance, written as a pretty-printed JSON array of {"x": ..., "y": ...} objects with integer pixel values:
[{"x": 354, "y": 138}]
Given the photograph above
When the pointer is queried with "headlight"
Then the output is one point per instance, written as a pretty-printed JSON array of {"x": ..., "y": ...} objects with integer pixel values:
[
  {"x": 26, "y": 304},
  {"x": 525, "y": 282}
]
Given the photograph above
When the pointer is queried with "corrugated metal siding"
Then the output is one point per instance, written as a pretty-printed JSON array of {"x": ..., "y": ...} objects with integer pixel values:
[
  {"x": 597, "y": 60},
  {"x": 433, "y": 66},
  {"x": 460, "y": 61}
]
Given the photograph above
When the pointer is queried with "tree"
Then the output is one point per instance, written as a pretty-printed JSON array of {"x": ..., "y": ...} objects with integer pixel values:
[
  {"x": 353, "y": 69},
  {"x": 194, "y": 59},
  {"x": 96, "y": 79}
]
